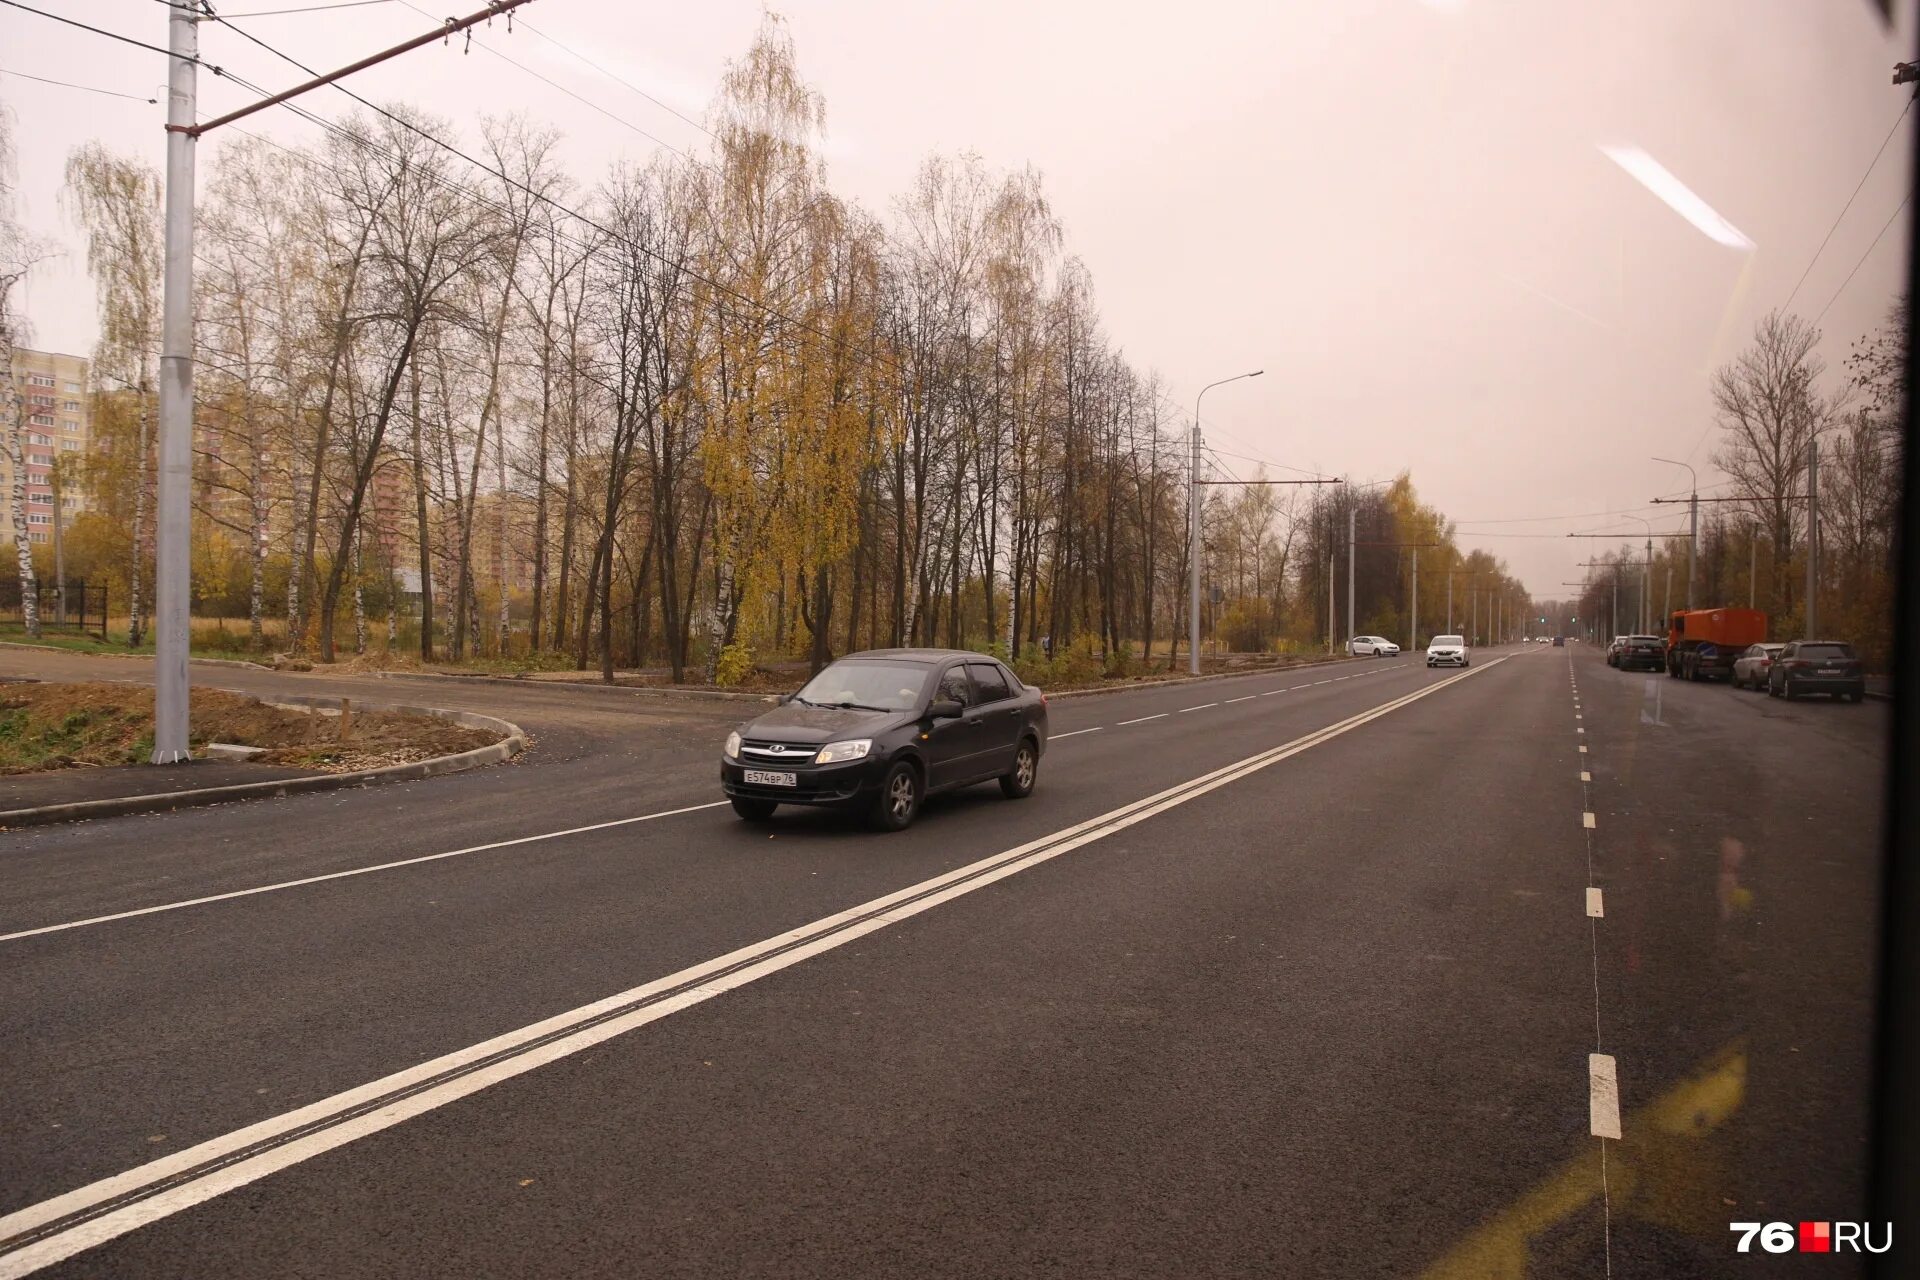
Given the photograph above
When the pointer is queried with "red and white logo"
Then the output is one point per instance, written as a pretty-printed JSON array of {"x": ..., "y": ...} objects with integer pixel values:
[{"x": 1816, "y": 1237}]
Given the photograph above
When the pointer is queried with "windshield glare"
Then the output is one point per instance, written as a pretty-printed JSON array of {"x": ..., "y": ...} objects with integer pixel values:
[{"x": 889, "y": 686}]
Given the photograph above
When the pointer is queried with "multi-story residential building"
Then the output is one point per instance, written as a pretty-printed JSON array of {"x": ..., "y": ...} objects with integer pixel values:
[{"x": 56, "y": 426}]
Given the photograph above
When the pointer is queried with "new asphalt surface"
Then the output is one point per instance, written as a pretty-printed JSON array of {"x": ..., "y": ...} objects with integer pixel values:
[{"x": 1330, "y": 1011}]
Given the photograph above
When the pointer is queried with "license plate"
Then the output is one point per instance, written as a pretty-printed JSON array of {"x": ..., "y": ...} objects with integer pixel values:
[{"x": 768, "y": 778}]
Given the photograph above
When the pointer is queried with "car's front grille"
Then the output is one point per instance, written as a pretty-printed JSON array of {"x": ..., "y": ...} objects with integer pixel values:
[{"x": 784, "y": 754}]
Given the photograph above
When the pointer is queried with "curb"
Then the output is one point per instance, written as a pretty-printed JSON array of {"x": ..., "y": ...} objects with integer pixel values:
[
  {"x": 528, "y": 682},
  {"x": 511, "y": 745},
  {"x": 81, "y": 653}
]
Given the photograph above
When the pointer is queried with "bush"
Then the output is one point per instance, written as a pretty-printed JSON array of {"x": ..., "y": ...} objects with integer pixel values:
[{"x": 735, "y": 664}]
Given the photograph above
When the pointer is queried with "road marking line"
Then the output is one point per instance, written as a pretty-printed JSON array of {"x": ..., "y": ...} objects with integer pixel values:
[
  {"x": 356, "y": 871},
  {"x": 1202, "y": 707},
  {"x": 1249, "y": 698},
  {"x": 57, "y": 1228},
  {"x": 1583, "y": 751},
  {"x": 1603, "y": 1096},
  {"x": 1595, "y": 907},
  {"x": 1269, "y": 693},
  {"x": 1578, "y": 716},
  {"x": 1327, "y": 681},
  {"x": 1584, "y": 775},
  {"x": 1579, "y": 730},
  {"x": 1144, "y": 719},
  {"x": 1343, "y": 677},
  {"x": 1586, "y": 819},
  {"x": 1055, "y": 737}
]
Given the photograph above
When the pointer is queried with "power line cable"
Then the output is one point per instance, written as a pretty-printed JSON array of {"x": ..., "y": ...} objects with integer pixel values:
[
  {"x": 1848, "y": 205},
  {"x": 67, "y": 84},
  {"x": 1905, "y": 200},
  {"x": 111, "y": 35}
]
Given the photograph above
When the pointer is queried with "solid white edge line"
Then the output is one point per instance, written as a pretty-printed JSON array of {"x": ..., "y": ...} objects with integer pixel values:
[
  {"x": 1055, "y": 737},
  {"x": 735, "y": 969},
  {"x": 1596, "y": 907},
  {"x": 1144, "y": 719},
  {"x": 1603, "y": 1096},
  {"x": 355, "y": 871}
]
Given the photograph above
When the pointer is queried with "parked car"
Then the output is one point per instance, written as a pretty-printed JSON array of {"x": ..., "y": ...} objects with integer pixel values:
[
  {"x": 880, "y": 731},
  {"x": 1752, "y": 667},
  {"x": 1641, "y": 651},
  {"x": 1613, "y": 650},
  {"x": 1817, "y": 666},
  {"x": 1448, "y": 651},
  {"x": 1376, "y": 646}
]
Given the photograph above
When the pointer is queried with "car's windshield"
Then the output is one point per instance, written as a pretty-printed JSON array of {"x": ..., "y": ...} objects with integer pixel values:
[
  {"x": 879, "y": 685},
  {"x": 1824, "y": 651},
  {"x": 1447, "y": 640}
]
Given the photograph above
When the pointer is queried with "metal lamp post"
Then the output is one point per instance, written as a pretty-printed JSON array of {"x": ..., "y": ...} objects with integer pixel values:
[{"x": 1193, "y": 524}]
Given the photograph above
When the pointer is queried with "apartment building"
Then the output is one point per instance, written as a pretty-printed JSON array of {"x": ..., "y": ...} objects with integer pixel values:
[{"x": 56, "y": 427}]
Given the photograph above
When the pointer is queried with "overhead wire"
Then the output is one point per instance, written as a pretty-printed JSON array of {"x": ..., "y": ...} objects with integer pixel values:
[
  {"x": 1905, "y": 200},
  {"x": 1848, "y": 205},
  {"x": 68, "y": 84}
]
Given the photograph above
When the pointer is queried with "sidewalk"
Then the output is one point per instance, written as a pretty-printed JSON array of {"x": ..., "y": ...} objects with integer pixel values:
[{"x": 115, "y": 782}]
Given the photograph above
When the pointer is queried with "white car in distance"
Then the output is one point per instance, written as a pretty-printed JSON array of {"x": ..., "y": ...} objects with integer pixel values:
[
  {"x": 1378, "y": 646},
  {"x": 1448, "y": 651}
]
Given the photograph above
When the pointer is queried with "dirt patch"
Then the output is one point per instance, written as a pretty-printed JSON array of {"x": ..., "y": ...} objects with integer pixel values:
[{"x": 58, "y": 726}]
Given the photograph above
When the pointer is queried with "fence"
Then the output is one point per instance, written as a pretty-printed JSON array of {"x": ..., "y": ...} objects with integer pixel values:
[{"x": 81, "y": 609}]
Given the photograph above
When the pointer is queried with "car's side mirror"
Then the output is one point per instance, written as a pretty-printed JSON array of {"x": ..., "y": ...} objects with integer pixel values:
[{"x": 946, "y": 709}]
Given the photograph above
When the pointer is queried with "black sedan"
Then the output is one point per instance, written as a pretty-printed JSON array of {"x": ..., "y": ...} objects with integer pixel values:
[
  {"x": 881, "y": 731},
  {"x": 1817, "y": 666}
]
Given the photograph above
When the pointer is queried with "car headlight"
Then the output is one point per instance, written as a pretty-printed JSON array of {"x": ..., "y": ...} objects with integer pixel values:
[
  {"x": 835, "y": 752},
  {"x": 733, "y": 745}
]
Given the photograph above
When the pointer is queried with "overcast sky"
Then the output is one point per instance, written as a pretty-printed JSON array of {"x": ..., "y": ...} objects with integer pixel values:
[{"x": 1400, "y": 209}]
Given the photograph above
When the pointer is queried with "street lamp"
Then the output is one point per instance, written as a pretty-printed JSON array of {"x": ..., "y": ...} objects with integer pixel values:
[
  {"x": 1193, "y": 525},
  {"x": 1693, "y": 526}
]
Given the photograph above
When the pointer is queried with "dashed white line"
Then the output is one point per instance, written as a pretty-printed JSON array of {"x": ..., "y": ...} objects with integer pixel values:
[
  {"x": 1144, "y": 719},
  {"x": 1586, "y": 819},
  {"x": 1269, "y": 693},
  {"x": 1055, "y": 737},
  {"x": 1202, "y": 707},
  {"x": 1249, "y": 698},
  {"x": 1603, "y": 1096},
  {"x": 1585, "y": 776},
  {"x": 1583, "y": 750},
  {"x": 1595, "y": 907},
  {"x": 1327, "y": 681}
]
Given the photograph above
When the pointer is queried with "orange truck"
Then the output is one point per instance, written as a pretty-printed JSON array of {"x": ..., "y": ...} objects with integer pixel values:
[{"x": 1702, "y": 643}]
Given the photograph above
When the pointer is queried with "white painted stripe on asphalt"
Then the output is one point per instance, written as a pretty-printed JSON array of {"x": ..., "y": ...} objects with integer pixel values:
[
  {"x": 1249, "y": 698},
  {"x": 1579, "y": 730},
  {"x": 1603, "y": 1096},
  {"x": 1202, "y": 707},
  {"x": 1595, "y": 907},
  {"x": 126, "y": 1201},
  {"x": 356, "y": 871},
  {"x": 1586, "y": 819},
  {"x": 1269, "y": 693},
  {"x": 1326, "y": 681},
  {"x": 1585, "y": 776},
  {"x": 1144, "y": 719},
  {"x": 1583, "y": 751},
  {"x": 1055, "y": 737}
]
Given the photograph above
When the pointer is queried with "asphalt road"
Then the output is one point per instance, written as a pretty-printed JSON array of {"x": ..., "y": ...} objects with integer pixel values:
[{"x": 1288, "y": 974}]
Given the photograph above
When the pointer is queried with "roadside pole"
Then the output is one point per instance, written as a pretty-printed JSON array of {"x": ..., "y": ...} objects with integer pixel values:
[
  {"x": 1413, "y": 614},
  {"x": 172, "y": 561},
  {"x": 1693, "y": 540},
  {"x": 1813, "y": 537},
  {"x": 1350, "y": 514}
]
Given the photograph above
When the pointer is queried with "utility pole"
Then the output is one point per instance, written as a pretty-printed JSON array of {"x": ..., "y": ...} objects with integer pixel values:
[
  {"x": 172, "y": 515},
  {"x": 1351, "y": 509},
  {"x": 1693, "y": 523},
  {"x": 173, "y": 563},
  {"x": 1813, "y": 536},
  {"x": 1413, "y": 614}
]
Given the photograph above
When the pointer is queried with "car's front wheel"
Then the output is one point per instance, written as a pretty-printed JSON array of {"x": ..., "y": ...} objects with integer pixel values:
[
  {"x": 753, "y": 810},
  {"x": 1017, "y": 782},
  {"x": 899, "y": 798}
]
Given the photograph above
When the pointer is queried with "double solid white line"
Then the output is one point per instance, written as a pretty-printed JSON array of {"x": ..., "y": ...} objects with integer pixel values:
[{"x": 45, "y": 1233}]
